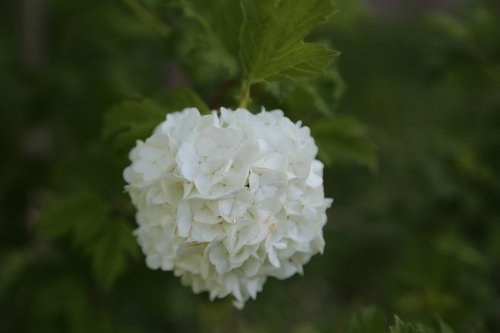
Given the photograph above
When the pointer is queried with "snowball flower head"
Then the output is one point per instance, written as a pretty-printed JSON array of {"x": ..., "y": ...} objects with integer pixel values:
[{"x": 228, "y": 199}]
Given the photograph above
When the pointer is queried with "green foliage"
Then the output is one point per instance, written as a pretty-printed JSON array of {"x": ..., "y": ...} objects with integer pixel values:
[
  {"x": 130, "y": 121},
  {"x": 86, "y": 218},
  {"x": 344, "y": 138},
  {"x": 340, "y": 138},
  {"x": 220, "y": 19},
  {"x": 111, "y": 249},
  {"x": 136, "y": 119},
  {"x": 402, "y": 327},
  {"x": 208, "y": 43},
  {"x": 373, "y": 320},
  {"x": 78, "y": 315},
  {"x": 272, "y": 33},
  {"x": 370, "y": 319},
  {"x": 177, "y": 99},
  {"x": 418, "y": 238},
  {"x": 305, "y": 100},
  {"x": 149, "y": 18},
  {"x": 59, "y": 218},
  {"x": 12, "y": 267}
]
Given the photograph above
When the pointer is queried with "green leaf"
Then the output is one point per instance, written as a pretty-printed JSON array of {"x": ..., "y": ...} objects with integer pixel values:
[
  {"x": 402, "y": 327},
  {"x": 208, "y": 42},
  {"x": 343, "y": 138},
  {"x": 371, "y": 320},
  {"x": 77, "y": 313},
  {"x": 130, "y": 121},
  {"x": 13, "y": 265},
  {"x": 136, "y": 119},
  {"x": 444, "y": 328},
  {"x": 148, "y": 18},
  {"x": 331, "y": 88},
  {"x": 83, "y": 169},
  {"x": 221, "y": 19},
  {"x": 80, "y": 213},
  {"x": 85, "y": 218},
  {"x": 304, "y": 100},
  {"x": 181, "y": 98},
  {"x": 110, "y": 251},
  {"x": 300, "y": 100},
  {"x": 271, "y": 39}
]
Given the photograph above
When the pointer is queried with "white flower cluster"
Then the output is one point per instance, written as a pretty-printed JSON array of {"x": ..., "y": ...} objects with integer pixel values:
[{"x": 228, "y": 199}]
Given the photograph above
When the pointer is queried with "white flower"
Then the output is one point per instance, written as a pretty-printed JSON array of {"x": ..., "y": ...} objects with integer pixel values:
[{"x": 228, "y": 199}]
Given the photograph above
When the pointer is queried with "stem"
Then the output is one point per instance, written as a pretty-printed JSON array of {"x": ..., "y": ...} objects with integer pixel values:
[{"x": 245, "y": 94}]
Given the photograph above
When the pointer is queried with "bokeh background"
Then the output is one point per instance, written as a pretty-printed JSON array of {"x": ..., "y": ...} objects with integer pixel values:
[{"x": 415, "y": 232}]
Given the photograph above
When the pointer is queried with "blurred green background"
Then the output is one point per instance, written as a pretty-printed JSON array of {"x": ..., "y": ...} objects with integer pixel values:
[{"x": 414, "y": 231}]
